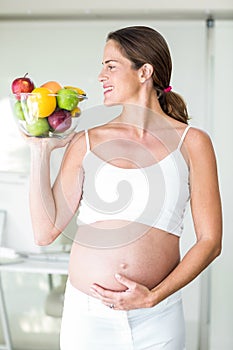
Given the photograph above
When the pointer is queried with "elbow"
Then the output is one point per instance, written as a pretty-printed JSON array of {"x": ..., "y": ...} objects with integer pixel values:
[
  {"x": 217, "y": 250},
  {"x": 42, "y": 242},
  {"x": 212, "y": 248},
  {"x": 44, "y": 239}
]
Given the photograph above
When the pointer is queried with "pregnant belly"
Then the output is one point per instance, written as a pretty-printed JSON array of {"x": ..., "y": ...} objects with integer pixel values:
[{"x": 146, "y": 259}]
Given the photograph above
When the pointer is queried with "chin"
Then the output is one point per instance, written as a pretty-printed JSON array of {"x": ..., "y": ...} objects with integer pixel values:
[{"x": 112, "y": 103}]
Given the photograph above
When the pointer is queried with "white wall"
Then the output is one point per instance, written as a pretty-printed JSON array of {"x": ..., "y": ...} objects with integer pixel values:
[
  {"x": 222, "y": 270},
  {"x": 122, "y": 7},
  {"x": 71, "y": 52}
]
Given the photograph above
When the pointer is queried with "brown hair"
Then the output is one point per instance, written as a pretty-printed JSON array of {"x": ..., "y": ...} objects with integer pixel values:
[{"x": 142, "y": 45}]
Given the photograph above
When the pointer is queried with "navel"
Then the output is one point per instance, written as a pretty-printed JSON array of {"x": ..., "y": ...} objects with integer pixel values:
[{"x": 123, "y": 266}]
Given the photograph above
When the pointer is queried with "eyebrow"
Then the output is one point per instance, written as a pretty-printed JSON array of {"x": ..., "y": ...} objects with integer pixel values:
[{"x": 107, "y": 61}]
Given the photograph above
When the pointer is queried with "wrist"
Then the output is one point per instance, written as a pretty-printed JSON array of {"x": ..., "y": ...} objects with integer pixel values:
[
  {"x": 152, "y": 300},
  {"x": 154, "y": 297},
  {"x": 40, "y": 150}
]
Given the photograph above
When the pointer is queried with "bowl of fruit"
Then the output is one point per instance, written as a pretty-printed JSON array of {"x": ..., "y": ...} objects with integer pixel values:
[{"x": 49, "y": 110}]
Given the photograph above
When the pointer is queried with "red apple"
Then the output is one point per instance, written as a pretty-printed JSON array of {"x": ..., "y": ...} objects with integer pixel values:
[
  {"x": 60, "y": 120},
  {"x": 22, "y": 85}
]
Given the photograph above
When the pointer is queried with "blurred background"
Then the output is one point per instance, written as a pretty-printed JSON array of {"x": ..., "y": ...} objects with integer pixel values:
[{"x": 63, "y": 41}]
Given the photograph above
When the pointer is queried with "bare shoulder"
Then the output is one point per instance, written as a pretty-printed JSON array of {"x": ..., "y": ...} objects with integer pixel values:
[
  {"x": 103, "y": 132},
  {"x": 104, "y": 128},
  {"x": 78, "y": 141},
  {"x": 197, "y": 136},
  {"x": 197, "y": 140},
  {"x": 95, "y": 135},
  {"x": 77, "y": 148},
  {"x": 200, "y": 147}
]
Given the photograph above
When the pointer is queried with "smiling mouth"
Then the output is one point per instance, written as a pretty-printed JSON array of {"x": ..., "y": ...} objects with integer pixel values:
[{"x": 108, "y": 89}]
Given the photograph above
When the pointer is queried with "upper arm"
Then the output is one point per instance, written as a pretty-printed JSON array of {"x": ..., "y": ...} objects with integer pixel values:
[
  {"x": 204, "y": 188},
  {"x": 67, "y": 189}
]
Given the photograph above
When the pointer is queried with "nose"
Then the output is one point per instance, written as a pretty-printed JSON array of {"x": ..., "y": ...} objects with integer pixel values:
[{"x": 102, "y": 76}]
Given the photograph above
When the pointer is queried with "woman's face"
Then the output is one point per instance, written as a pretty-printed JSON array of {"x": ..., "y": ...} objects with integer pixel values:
[{"x": 120, "y": 81}]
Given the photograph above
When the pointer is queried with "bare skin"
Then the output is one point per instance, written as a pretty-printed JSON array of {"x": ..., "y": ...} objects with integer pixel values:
[
  {"x": 149, "y": 269},
  {"x": 147, "y": 261}
]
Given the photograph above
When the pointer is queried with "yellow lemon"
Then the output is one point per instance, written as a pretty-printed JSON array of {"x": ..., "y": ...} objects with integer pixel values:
[
  {"x": 41, "y": 102},
  {"x": 76, "y": 112}
]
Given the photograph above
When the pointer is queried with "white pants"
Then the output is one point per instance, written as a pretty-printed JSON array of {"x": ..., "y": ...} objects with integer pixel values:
[{"x": 87, "y": 324}]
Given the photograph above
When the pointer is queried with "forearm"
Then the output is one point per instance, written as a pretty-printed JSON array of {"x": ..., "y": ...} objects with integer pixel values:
[
  {"x": 42, "y": 204},
  {"x": 193, "y": 263}
]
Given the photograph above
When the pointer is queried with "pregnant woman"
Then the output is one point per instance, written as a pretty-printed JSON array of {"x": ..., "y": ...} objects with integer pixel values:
[{"x": 129, "y": 181}]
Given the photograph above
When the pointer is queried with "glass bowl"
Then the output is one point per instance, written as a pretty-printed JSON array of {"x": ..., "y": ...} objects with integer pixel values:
[{"x": 44, "y": 114}]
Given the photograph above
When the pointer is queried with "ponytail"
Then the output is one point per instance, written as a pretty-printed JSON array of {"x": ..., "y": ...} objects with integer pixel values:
[{"x": 173, "y": 105}]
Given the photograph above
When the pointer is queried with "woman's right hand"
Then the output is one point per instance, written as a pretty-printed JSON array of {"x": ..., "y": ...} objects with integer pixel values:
[{"x": 49, "y": 143}]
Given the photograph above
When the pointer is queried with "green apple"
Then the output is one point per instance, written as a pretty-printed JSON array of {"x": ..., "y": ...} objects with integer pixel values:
[
  {"x": 67, "y": 99},
  {"x": 38, "y": 128},
  {"x": 19, "y": 111}
]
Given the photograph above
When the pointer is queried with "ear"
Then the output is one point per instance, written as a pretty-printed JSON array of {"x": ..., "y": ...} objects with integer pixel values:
[{"x": 145, "y": 72}]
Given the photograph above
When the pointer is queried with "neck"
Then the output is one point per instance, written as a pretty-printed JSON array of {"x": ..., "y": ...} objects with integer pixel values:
[{"x": 142, "y": 116}]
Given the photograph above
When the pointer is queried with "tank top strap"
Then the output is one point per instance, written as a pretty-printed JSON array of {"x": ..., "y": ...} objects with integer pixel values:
[
  {"x": 87, "y": 140},
  {"x": 183, "y": 136}
]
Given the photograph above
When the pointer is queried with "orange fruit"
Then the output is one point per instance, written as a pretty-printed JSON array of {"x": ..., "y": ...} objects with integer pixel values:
[
  {"x": 54, "y": 86},
  {"x": 41, "y": 103}
]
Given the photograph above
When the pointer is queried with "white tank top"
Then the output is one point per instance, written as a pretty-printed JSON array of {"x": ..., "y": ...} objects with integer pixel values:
[{"x": 155, "y": 195}]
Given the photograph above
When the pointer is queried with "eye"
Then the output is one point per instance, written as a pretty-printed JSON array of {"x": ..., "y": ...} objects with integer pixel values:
[{"x": 110, "y": 67}]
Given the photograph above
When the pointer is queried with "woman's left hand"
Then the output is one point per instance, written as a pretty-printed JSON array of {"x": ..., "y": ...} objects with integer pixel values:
[{"x": 134, "y": 297}]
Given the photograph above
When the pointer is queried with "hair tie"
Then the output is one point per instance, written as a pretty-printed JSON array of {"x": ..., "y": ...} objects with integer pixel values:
[{"x": 168, "y": 89}]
